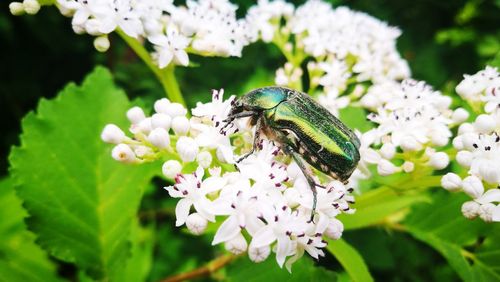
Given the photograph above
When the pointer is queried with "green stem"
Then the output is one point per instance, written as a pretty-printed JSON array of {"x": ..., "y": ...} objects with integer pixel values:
[
  {"x": 166, "y": 76},
  {"x": 169, "y": 83}
]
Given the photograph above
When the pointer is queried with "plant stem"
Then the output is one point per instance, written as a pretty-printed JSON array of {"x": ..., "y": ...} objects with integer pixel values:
[
  {"x": 203, "y": 271},
  {"x": 166, "y": 76}
]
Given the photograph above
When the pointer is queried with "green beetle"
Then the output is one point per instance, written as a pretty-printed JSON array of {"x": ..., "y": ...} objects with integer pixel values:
[{"x": 306, "y": 130}]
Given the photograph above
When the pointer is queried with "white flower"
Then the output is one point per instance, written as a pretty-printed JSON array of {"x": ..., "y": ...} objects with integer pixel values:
[
  {"x": 451, "y": 182},
  {"x": 486, "y": 212},
  {"x": 204, "y": 159},
  {"x": 16, "y": 8},
  {"x": 160, "y": 120},
  {"x": 237, "y": 245},
  {"x": 121, "y": 13},
  {"x": 123, "y": 153},
  {"x": 473, "y": 186},
  {"x": 470, "y": 209},
  {"x": 112, "y": 134},
  {"x": 259, "y": 254},
  {"x": 101, "y": 43},
  {"x": 162, "y": 106},
  {"x": 439, "y": 160},
  {"x": 180, "y": 125},
  {"x": 241, "y": 204},
  {"x": 135, "y": 115},
  {"x": 159, "y": 138},
  {"x": 187, "y": 148},
  {"x": 196, "y": 223},
  {"x": 170, "y": 47},
  {"x": 193, "y": 190},
  {"x": 31, "y": 7},
  {"x": 460, "y": 115},
  {"x": 385, "y": 167},
  {"x": 171, "y": 168},
  {"x": 174, "y": 110}
]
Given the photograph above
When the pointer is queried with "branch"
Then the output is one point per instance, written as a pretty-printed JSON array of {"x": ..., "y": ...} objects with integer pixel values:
[{"x": 203, "y": 271}]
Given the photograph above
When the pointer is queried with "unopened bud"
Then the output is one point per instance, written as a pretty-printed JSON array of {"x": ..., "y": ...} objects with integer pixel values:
[
  {"x": 473, "y": 186},
  {"x": 180, "y": 125},
  {"x": 470, "y": 209},
  {"x": 451, "y": 182},
  {"x": 31, "y": 6},
  {"x": 439, "y": 160},
  {"x": 135, "y": 115},
  {"x": 187, "y": 148},
  {"x": 385, "y": 167},
  {"x": 112, "y": 134},
  {"x": 259, "y": 254},
  {"x": 123, "y": 153},
  {"x": 237, "y": 245},
  {"x": 159, "y": 138},
  {"x": 161, "y": 121},
  {"x": 171, "y": 168},
  {"x": 196, "y": 224},
  {"x": 204, "y": 159},
  {"x": 101, "y": 43},
  {"x": 16, "y": 8}
]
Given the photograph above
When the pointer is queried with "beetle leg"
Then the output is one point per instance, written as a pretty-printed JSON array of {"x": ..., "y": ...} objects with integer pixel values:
[
  {"x": 230, "y": 118},
  {"x": 312, "y": 184},
  {"x": 256, "y": 140}
]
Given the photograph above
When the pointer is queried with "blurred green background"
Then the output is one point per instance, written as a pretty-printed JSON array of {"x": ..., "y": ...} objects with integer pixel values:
[{"x": 441, "y": 40}]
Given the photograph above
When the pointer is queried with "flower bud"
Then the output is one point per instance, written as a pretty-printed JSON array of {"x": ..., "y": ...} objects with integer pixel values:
[
  {"x": 334, "y": 229},
  {"x": 144, "y": 126},
  {"x": 451, "y": 182},
  {"x": 101, "y": 43},
  {"x": 112, "y": 134},
  {"x": 187, "y": 148},
  {"x": 439, "y": 160},
  {"x": 486, "y": 212},
  {"x": 495, "y": 214},
  {"x": 204, "y": 159},
  {"x": 259, "y": 254},
  {"x": 175, "y": 109},
  {"x": 465, "y": 128},
  {"x": 489, "y": 171},
  {"x": 388, "y": 150},
  {"x": 484, "y": 124},
  {"x": 135, "y": 115},
  {"x": 464, "y": 158},
  {"x": 457, "y": 143},
  {"x": 161, "y": 106},
  {"x": 161, "y": 121},
  {"x": 196, "y": 224},
  {"x": 460, "y": 115},
  {"x": 142, "y": 151},
  {"x": 470, "y": 209},
  {"x": 439, "y": 139},
  {"x": 408, "y": 166},
  {"x": 180, "y": 125},
  {"x": 409, "y": 143},
  {"x": 237, "y": 245},
  {"x": 159, "y": 138},
  {"x": 385, "y": 167},
  {"x": 473, "y": 186},
  {"x": 292, "y": 196},
  {"x": 171, "y": 168},
  {"x": 123, "y": 153},
  {"x": 31, "y": 6},
  {"x": 16, "y": 8}
]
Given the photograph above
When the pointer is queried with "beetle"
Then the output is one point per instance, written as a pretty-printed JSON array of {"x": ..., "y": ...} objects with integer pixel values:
[{"x": 306, "y": 130}]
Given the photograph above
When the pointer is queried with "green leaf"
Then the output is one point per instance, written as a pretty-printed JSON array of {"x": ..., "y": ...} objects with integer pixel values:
[
  {"x": 350, "y": 259},
  {"x": 268, "y": 270},
  {"x": 20, "y": 258},
  {"x": 80, "y": 200},
  {"x": 376, "y": 205},
  {"x": 443, "y": 227}
]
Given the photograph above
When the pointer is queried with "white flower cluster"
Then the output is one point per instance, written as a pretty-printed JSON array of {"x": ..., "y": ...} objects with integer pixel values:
[
  {"x": 207, "y": 27},
  {"x": 346, "y": 47},
  {"x": 412, "y": 118},
  {"x": 478, "y": 146},
  {"x": 265, "y": 203}
]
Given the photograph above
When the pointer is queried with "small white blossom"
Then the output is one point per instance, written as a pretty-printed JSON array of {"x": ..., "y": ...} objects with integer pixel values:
[
  {"x": 123, "y": 153},
  {"x": 170, "y": 47},
  {"x": 451, "y": 182},
  {"x": 112, "y": 134},
  {"x": 159, "y": 138},
  {"x": 187, "y": 148},
  {"x": 259, "y": 254},
  {"x": 237, "y": 245},
  {"x": 204, "y": 159},
  {"x": 171, "y": 168},
  {"x": 135, "y": 115},
  {"x": 196, "y": 223},
  {"x": 16, "y": 8},
  {"x": 160, "y": 120},
  {"x": 180, "y": 125},
  {"x": 470, "y": 209},
  {"x": 473, "y": 186},
  {"x": 31, "y": 7},
  {"x": 101, "y": 43},
  {"x": 439, "y": 160}
]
